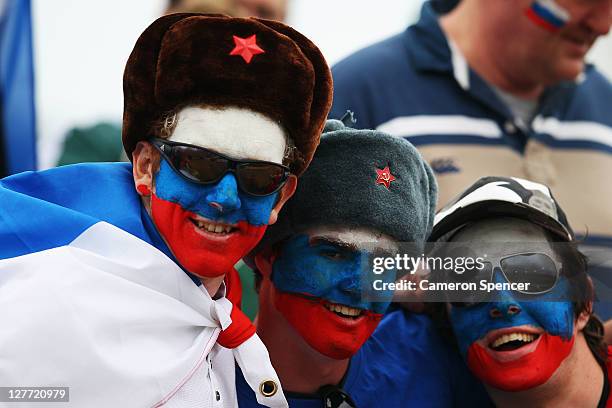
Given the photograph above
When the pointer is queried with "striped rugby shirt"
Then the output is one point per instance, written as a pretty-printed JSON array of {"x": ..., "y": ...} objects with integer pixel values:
[{"x": 418, "y": 86}]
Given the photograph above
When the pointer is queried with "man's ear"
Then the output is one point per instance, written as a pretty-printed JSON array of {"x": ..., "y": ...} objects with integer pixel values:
[
  {"x": 284, "y": 194},
  {"x": 584, "y": 316},
  {"x": 264, "y": 261},
  {"x": 144, "y": 163}
]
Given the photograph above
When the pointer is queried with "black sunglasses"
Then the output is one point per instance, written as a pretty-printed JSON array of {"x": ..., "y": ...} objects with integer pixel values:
[
  {"x": 538, "y": 270},
  {"x": 203, "y": 166}
]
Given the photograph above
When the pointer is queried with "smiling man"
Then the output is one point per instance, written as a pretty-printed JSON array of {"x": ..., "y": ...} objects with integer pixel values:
[
  {"x": 537, "y": 347},
  {"x": 210, "y": 208},
  {"x": 117, "y": 280},
  {"x": 331, "y": 343}
]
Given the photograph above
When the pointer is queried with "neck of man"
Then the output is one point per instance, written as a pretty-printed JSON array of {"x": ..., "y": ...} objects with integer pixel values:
[
  {"x": 578, "y": 382},
  {"x": 300, "y": 368},
  {"x": 212, "y": 285},
  {"x": 480, "y": 47}
]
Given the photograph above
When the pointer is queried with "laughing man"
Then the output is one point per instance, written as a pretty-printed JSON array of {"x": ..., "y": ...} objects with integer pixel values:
[{"x": 116, "y": 280}]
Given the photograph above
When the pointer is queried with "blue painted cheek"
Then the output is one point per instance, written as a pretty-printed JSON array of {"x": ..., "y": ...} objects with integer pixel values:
[
  {"x": 556, "y": 317},
  {"x": 470, "y": 324},
  {"x": 473, "y": 323},
  {"x": 301, "y": 268},
  {"x": 197, "y": 198}
]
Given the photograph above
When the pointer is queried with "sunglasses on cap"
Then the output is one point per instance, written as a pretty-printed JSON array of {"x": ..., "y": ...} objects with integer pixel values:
[
  {"x": 538, "y": 273},
  {"x": 203, "y": 166}
]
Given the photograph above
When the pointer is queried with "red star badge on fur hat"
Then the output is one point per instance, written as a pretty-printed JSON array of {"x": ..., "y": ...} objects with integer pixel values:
[
  {"x": 246, "y": 48},
  {"x": 384, "y": 177}
]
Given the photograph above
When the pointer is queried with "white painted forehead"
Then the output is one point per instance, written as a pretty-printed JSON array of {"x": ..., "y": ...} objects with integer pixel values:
[
  {"x": 235, "y": 132},
  {"x": 362, "y": 237}
]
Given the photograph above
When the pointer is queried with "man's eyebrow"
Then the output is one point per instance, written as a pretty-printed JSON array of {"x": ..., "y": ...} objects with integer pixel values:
[{"x": 322, "y": 240}]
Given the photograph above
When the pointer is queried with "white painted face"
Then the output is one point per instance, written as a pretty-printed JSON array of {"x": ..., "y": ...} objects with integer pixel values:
[{"x": 235, "y": 132}]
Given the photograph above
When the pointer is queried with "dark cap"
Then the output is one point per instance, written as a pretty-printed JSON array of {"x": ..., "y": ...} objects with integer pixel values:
[
  {"x": 503, "y": 197},
  {"x": 214, "y": 60}
]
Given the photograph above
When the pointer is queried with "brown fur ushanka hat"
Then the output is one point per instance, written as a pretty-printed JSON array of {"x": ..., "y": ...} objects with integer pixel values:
[{"x": 265, "y": 66}]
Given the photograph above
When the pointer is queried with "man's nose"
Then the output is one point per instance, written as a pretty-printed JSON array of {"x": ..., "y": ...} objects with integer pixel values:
[
  {"x": 354, "y": 273},
  {"x": 504, "y": 310},
  {"x": 504, "y": 306},
  {"x": 600, "y": 17},
  {"x": 350, "y": 285},
  {"x": 224, "y": 195}
]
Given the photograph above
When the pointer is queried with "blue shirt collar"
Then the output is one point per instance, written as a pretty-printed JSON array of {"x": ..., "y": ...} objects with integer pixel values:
[
  {"x": 428, "y": 47},
  {"x": 430, "y": 51}
]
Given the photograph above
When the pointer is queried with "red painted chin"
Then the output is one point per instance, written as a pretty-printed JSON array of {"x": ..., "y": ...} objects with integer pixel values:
[
  {"x": 526, "y": 367},
  {"x": 332, "y": 335},
  {"x": 205, "y": 254}
]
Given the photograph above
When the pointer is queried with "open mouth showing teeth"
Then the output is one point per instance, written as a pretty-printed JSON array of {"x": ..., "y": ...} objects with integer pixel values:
[
  {"x": 214, "y": 227},
  {"x": 344, "y": 311},
  {"x": 513, "y": 341}
]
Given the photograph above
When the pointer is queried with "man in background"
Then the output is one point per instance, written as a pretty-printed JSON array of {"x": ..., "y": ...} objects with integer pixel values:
[
  {"x": 268, "y": 9},
  {"x": 498, "y": 88}
]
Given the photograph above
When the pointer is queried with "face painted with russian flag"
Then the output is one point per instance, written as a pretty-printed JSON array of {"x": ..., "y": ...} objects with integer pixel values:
[
  {"x": 548, "y": 15},
  {"x": 318, "y": 277},
  {"x": 211, "y": 227},
  {"x": 554, "y": 37},
  {"x": 518, "y": 341}
]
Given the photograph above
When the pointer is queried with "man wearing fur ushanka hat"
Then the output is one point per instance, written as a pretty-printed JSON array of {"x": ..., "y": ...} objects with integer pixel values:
[{"x": 117, "y": 280}]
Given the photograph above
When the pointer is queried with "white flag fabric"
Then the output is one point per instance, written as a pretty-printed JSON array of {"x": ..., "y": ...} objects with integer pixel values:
[{"x": 109, "y": 316}]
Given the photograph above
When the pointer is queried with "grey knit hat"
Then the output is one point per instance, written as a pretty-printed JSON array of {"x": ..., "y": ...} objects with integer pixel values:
[{"x": 361, "y": 178}]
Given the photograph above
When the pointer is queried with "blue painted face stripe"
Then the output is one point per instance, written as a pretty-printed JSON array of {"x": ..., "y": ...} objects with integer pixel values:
[{"x": 197, "y": 198}]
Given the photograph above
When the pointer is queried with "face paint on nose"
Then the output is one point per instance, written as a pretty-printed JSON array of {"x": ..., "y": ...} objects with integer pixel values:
[
  {"x": 207, "y": 227},
  {"x": 319, "y": 293},
  {"x": 516, "y": 345}
]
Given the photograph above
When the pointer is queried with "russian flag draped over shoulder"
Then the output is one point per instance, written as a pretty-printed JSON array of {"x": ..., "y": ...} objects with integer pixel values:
[
  {"x": 84, "y": 315},
  {"x": 87, "y": 298}
]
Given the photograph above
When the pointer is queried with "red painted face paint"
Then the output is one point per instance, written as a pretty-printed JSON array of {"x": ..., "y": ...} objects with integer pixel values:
[
  {"x": 524, "y": 373},
  {"x": 331, "y": 335},
  {"x": 202, "y": 253}
]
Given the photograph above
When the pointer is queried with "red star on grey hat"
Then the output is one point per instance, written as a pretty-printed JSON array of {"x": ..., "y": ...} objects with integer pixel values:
[{"x": 384, "y": 177}]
